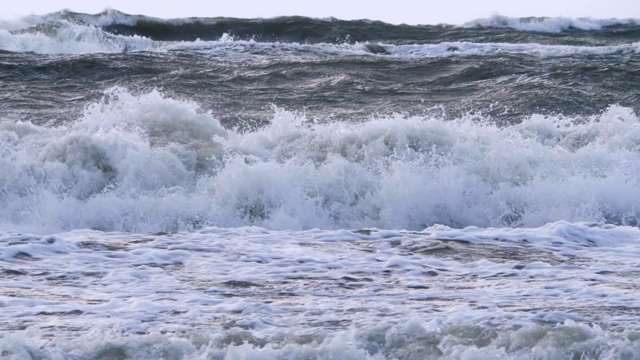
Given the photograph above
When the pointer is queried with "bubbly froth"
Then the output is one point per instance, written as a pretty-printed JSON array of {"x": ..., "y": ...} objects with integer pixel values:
[{"x": 147, "y": 162}]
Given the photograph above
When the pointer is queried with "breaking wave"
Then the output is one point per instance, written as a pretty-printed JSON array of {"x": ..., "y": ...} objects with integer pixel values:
[
  {"x": 147, "y": 162},
  {"x": 412, "y": 340},
  {"x": 111, "y": 31},
  {"x": 552, "y": 24}
]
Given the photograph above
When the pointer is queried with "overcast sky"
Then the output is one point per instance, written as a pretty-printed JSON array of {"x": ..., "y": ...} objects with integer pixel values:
[{"x": 394, "y": 11}]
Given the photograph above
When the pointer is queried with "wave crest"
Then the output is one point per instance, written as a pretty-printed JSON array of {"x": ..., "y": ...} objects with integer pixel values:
[
  {"x": 550, "y": 24},
  {"x": 149, "y": 163}
]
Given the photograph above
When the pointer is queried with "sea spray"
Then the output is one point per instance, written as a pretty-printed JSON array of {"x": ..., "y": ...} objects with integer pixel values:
[{"x": 129, "y": 154}]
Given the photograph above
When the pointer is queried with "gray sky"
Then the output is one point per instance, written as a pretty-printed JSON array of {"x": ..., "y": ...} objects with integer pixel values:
[{"x": 394, "y": 11}]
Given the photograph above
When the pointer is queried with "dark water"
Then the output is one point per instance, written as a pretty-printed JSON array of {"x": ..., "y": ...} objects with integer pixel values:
[{"x": 328, "y": 69}]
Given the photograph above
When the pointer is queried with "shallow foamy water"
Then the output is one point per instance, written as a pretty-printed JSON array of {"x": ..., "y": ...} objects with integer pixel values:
[{"x": 556, "y": 291}]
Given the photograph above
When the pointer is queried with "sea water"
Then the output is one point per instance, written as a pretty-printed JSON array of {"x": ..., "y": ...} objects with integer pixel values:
[{"x": 296, "y": 188}]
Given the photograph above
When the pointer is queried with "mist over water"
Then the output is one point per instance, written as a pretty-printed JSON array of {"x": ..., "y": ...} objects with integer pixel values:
[{"x": 294, "y": 188}]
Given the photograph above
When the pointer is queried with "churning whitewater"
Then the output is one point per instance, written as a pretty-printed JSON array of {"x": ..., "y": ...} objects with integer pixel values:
[
  {"x": 295, "y": 188},
  {"x": 148, "y": 163}
]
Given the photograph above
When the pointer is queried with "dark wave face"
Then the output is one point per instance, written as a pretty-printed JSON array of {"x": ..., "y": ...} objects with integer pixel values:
[
  {"x": 335, "y": 31},
  {"x": 330, "y": 69}
]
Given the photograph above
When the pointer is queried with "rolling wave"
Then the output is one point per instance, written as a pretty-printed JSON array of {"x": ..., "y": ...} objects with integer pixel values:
[
  {"x": 330, "y": 31},
  {"x": 66, "y": 37},
  {"x": 147, "y": 162}
]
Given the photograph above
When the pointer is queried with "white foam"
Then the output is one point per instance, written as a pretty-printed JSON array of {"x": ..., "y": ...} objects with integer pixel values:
[
  {"x": 149, "y": 163},
  {"x": 105, "y": 18},
  {"x": 411, "y": 340},
  {"x": 254, "y": 293},
  {"x": 249, "y": 50},
  {"x": 65, "y": 37},
  {"x": 533, "y": 49},
  {"x": 551, "y": 24}
]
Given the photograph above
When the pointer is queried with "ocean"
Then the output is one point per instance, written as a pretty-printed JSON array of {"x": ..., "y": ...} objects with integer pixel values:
[{"x": 298, "y": 188}]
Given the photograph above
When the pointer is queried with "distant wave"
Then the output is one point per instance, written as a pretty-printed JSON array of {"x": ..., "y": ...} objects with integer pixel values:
[
  {"x": 542, "y": 24},
  {"x": 68, "y": 36},
  {"x": 550, "y": 24}
]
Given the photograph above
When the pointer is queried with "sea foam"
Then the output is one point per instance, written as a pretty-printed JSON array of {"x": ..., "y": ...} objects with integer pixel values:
[
  {"x": 410, "y": 340},
  {"x": 146, "y": 162},
  {"x": 65, "y": 37},
  {"x": 550, "y": 24},
  {"x": 250, "y": 292}
]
